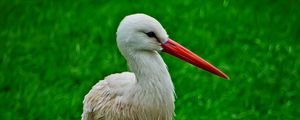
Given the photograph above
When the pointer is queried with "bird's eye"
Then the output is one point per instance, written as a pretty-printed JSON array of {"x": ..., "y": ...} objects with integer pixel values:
[{"x": 151, "y": 34}]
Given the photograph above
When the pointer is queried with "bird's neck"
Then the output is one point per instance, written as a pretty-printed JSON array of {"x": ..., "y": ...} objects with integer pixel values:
[
  {"x": 154, "y": 89},
  {"x": 150, "y": 71}
]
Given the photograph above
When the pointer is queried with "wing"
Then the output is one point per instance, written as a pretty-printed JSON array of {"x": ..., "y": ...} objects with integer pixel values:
[{"x": 103, "y": 94}]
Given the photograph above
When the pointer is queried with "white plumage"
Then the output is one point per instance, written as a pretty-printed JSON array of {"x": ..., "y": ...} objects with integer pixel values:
[{"x": 147, "y": 92}]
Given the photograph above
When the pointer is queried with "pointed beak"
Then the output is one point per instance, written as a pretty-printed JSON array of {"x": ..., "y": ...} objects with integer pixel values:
[{"x": 177, "y": 50}]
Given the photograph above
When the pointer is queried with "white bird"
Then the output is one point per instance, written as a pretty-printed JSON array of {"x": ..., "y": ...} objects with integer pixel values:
[{"x": 147, "y": 92}]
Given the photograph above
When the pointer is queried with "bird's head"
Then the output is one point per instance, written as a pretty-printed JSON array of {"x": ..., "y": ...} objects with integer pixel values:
[{"x": 140, "y": 32}]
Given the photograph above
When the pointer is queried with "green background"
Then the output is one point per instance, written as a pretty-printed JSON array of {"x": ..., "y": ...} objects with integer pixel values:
[{"x": 53, "y": 52}]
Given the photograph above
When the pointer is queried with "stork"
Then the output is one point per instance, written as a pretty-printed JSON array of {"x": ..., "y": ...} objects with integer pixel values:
[{"x": 147, "y": 92}]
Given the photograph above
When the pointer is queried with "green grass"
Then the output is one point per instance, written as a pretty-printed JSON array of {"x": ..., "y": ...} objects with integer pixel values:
[{"x": 52, "y": 53}]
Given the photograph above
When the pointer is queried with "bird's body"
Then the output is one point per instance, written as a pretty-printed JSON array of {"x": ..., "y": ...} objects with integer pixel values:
[{"x": 147, "y": 92}]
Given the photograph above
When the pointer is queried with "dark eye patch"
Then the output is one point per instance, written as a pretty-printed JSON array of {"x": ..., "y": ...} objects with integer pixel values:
[{"x": 151, "y": 34}]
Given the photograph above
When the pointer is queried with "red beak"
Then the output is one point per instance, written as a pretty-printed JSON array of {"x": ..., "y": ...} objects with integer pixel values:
[{"x": 177, "y": 50}]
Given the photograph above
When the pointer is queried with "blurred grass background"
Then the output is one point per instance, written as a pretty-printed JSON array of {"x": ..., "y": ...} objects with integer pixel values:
[{"x": 53, "y": 52}]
